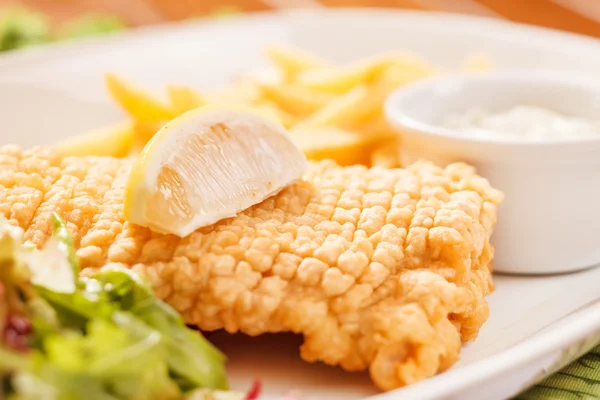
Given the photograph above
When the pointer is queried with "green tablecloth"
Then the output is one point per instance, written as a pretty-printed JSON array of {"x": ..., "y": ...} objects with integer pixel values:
[{"x": 580, "y": 380}]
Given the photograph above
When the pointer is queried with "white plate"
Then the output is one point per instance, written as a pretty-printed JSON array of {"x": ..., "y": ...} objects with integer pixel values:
[{"x": 53, "y": 92}]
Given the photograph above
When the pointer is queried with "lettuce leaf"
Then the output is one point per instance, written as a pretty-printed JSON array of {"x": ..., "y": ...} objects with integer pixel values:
[
  {"x": 109, "y": 337},
  {"x": 91, "y": 25},
  {"x": 20, "y": 27},
  {"x": 189, "y": 354}
]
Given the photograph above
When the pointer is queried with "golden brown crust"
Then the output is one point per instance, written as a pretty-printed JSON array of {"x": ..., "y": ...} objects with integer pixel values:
[{"x": 380, "y": 269}]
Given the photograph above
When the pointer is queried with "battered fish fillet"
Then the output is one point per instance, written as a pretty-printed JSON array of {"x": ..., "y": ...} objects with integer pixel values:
[{"x": 380, "y": 269}]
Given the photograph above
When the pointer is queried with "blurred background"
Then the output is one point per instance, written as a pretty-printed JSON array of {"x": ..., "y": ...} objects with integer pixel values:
[{"x": 28, "y": 22}]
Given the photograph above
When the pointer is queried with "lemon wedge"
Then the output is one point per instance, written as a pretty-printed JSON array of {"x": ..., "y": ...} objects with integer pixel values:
[{"x": 209, "y": 164}]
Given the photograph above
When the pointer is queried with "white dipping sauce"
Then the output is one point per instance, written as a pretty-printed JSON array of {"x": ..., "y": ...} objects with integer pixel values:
[{"x": 523, "y": 123}]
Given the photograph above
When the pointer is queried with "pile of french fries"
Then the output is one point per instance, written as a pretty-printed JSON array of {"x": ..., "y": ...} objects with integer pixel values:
[{"x": 332, "y": 111}]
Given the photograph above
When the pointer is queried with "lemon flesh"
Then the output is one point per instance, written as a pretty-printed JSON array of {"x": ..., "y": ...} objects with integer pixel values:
[{"x": 207, "y": 165}]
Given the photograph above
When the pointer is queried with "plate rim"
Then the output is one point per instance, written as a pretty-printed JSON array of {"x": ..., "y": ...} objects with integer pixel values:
[{"x": 508, "y": 28}]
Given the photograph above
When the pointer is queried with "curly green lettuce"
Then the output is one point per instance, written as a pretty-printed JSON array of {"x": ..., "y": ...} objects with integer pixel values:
[
  {"x": 91, "y": 25},
  {"x": 104, "y": 336},
  {"x": 20, "y": 27}
]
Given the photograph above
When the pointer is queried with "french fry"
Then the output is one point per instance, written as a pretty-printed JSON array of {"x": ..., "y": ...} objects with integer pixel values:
[
  {"x": 136, "y": 148},
  {"x": 183, "y": 99},
  {"x": 114, "y": 141},
  {"x": 144, "y": 131},
  {"x": 291, "y": 61},
  {"x": 342, "y": 146},
  {"x": 242, "y": 91},
  {"x": 139, "y": 104},
  {"x": 386, "y": 154},
  {"x": 272, "y": 111},
  {"x": 401, "y": 73},
  {"x": 332, "y": 111},
  {"x": 339, "y": 79},
  {"x": 296, "y": 100},
  {"x": 376, "y": 127},
  {"x": 341, "y": 111}
]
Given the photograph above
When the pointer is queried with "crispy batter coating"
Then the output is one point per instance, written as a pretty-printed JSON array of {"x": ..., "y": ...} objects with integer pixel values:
[{"x": 376, "y": 268}]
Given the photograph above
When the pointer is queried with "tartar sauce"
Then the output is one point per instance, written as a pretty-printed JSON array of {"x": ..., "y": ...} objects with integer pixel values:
[{"x": 522, "y": 122}]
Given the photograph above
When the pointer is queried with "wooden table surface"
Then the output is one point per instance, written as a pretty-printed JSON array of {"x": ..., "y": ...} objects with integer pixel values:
[{"x": 580, "y": 16}]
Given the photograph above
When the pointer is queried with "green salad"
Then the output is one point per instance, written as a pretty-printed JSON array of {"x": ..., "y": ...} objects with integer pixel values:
[
  {"x": 21, "y": 27},
  {"x": 100, "y": 337}
]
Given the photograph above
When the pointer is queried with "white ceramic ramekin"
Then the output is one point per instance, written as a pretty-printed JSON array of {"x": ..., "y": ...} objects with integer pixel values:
[{"x": 550, "y": 219}]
